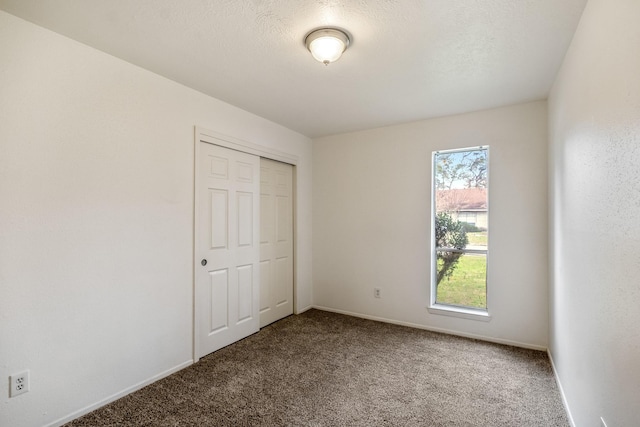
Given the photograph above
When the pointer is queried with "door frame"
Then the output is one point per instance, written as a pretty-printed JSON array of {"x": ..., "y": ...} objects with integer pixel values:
[{"x": 216, "y": 138}]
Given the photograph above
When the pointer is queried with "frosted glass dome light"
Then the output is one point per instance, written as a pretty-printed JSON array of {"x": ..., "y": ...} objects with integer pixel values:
[{"x": 327, "y": 44}]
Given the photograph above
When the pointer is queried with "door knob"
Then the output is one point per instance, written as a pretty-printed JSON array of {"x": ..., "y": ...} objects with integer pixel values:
[{"x": 203, "y": 262}]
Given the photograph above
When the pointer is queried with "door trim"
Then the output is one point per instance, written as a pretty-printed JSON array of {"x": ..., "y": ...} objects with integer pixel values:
[
  {"x": 227, "y": 141},
  {"x": 222, "y": 140}
]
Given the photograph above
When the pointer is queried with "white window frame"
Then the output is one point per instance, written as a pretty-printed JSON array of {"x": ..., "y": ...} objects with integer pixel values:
[{"x": 446, "y": 309}]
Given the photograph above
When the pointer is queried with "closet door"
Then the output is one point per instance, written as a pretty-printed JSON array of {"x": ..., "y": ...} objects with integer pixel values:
[
  {"x": 227, "y": 246},
  {"x": 276, "y": 241}
]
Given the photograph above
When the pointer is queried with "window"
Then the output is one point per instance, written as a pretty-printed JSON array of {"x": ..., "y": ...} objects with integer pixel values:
[{"x": 460, "y": 225}]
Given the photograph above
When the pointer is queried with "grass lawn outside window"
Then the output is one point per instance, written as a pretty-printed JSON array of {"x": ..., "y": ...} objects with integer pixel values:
[{"x": 467, "y": 285}]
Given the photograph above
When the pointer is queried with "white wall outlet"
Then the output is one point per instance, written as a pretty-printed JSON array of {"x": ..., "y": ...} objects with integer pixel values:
[
  {"x": 19, "y": 383},
  {"x": 376, "y": 292},
  {"x": 602, "y": 423}
]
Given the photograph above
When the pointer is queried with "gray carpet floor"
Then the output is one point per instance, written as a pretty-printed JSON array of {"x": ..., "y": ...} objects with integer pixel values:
[{"x": 327, "y": 369}]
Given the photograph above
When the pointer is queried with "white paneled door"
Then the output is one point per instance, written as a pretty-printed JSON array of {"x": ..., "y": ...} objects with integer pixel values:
[
  {"x": 227, "y": 247},
  {"x": 276, "y": 241}
]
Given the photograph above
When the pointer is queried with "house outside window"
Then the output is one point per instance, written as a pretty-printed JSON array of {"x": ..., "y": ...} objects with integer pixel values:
[{"x": 460, "y": 228}]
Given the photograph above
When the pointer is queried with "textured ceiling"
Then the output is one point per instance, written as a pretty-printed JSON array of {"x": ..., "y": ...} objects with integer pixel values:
[{"x": 409, "y": 59}]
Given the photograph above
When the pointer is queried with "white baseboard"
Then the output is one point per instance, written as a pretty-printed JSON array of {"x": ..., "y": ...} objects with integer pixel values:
[
  {"x": 302, "y": 310},
  {"x": 118, "y": 395},
  {"x": 429, "y": 328},
  {"x": 564, "y": 398}
]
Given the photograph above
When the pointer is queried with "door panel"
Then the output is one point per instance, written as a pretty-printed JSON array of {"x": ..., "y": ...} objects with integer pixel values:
[
  {"x": 265, "y": 285},
  {"x": 283, "y": 280},
  {"x": 227, "y": 237},
  {"x": 219, "y": 220},
  {"x": 245, "y": 218},
  {"x": 219, "y": 289},
  {"x": 245, "y": 292},
  {"x": 276, "y": 241}
]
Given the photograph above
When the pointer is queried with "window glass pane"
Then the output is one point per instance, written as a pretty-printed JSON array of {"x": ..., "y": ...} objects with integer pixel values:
[
  {"x": 461, "y": 225},
  {"x": 466, "y": 284},
  {"x": 461, "y": 184}
]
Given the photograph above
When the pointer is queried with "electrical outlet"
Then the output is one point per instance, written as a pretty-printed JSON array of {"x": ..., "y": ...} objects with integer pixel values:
[
  {"x": 376, "y": 292},
  {"x": 19, "y": 383},
  {"x": 602, "y": 423}
]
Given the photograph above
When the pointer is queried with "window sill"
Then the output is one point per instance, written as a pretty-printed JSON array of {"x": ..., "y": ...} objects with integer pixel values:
[{"x": 461, "y": 312}]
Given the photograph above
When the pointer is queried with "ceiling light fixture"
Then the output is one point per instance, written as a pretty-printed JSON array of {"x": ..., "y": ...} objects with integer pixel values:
[{"x": 327, "y": 44}]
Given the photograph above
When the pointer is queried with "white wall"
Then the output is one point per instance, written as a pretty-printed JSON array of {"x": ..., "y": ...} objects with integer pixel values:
[
  {"x": 96, "y": 211},
  {"x": 372, "y": 217},
  {"x": 594, "y": 118}
]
